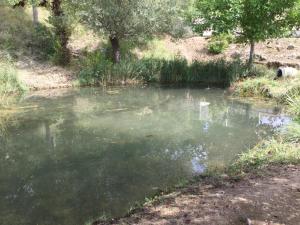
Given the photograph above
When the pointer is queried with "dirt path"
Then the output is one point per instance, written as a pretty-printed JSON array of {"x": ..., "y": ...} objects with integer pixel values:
[
  {"x": 269, "y": 200},
  {"x": 38, "y": 76}
]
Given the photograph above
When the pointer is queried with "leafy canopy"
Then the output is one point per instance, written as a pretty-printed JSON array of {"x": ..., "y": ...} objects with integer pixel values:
[
  {"x": 253, "y": 20},
  {"x": 130, "y": 18}
]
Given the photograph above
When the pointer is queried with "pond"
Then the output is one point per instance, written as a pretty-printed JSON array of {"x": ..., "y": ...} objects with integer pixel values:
[{"x": 69, "y": 156}]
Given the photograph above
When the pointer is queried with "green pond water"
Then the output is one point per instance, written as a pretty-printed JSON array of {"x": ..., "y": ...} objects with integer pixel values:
[{"x": 68, "y": 156}]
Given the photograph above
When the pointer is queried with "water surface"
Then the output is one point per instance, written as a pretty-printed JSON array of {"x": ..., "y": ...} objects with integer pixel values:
[{"x": 69, "y": 156}]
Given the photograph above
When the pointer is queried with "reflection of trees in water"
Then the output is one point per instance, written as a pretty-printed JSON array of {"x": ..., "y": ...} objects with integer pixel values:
[
  {"x": 73, "y": 159},
  {"x": 80, "y": 177}
]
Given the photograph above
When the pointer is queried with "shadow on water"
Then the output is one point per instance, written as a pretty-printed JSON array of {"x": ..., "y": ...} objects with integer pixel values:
[{"x": 89, "y": 151}]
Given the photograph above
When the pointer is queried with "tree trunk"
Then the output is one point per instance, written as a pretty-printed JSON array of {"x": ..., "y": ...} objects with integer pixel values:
[
  {"x": 61, "y": 33},
  {"x": 116, "y": 53},
  {"x": 35, "y": 15},
  {"x": 251, "y": 56}
]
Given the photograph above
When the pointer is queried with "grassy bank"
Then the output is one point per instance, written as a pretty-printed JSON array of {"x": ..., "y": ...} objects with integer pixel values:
[
  {"x": 9, "y": 82},
  {"x": 264, "y": 85},
  {"x": 95, "y": 69}
]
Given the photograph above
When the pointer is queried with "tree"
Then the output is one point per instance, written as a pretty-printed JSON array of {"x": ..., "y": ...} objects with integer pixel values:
[
  {"x": 128, "y": 19},
  {"x": 62, "y": 31},
  {"x": 61, "y": 24},
  {"x": 252, "y": 20}
]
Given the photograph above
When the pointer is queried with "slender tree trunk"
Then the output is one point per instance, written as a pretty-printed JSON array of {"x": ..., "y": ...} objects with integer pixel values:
[
  {"x": 61, "y": 32},
  {"x": 251, "y": 56},
  {"x": 115, "y": 44},
  {"x": 35, "y": 15}
]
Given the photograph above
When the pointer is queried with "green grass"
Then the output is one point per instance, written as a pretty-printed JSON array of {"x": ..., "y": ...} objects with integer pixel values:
[
  {"x": 261, "y": 83},
  {"x": 285, "y": 148},
  {"x": 271, "y": 152},
  {"x": 20, "y": 37},
  {"x": 293, "y": 99},
  {"x": 213, "y": 72},
  {"x": 9, "y": 82},
  {"x": 97, "y": 69},
  {"x": 156, "y": 49}
]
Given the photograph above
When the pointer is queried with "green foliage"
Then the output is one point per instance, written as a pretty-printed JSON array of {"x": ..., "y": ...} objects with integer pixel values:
[
  {"x": 19, "y": 36},
  {"x": 218, "y": 44},
  {"x": 291, "y": 133},
  {"x": 253, "y": 20},
  {"x": 294, "y": 103},
  {"x": 262, "y": 84},
  {"x": 256, "y": 19},
  {"x": 130, "y": 18},
  {"x": 44, "y": 42},
  {"x": 97, "y": 69},
  {"x": 9, "y": 82},
  {"x": 267, "y": 153},
  {"x": 214, "y": 72},
  {"x": 157, "y": 49}
]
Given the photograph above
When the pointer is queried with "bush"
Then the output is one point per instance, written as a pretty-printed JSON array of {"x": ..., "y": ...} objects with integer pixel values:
[
  {"x": 294, "y": 103},
  {"x": 9, "y": 82},
  {"x": 96, "y": 69},
  {"x": 44, "y": 42},
  {"x": 217, "y": 46},
  {"x": 260, "y": 71},
  {"x": 213, "y": 72},
  {"x": 220, "y": 43}
]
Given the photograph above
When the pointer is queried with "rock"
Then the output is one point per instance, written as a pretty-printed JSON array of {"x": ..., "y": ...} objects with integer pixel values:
[
  {"x": 297, "y": 34},
  {"x": 260, "y": 57},
  {"x": 291, "y": 47}
]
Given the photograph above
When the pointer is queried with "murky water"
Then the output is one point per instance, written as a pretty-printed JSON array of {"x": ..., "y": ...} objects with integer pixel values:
[{"x": 72, "y": 157}]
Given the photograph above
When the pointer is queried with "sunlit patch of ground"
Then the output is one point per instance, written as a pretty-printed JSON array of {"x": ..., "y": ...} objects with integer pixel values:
[{"x": 267, "y": 200}]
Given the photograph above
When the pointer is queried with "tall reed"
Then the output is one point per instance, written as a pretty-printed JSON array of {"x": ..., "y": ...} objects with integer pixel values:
[{"x": 96, "y": 69}]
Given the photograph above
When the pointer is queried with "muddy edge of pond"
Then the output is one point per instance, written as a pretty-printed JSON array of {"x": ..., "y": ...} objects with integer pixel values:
[{"x": 268, "y": 196}]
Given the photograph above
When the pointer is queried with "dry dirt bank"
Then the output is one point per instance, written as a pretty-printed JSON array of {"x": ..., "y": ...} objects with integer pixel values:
[
  {"x": 269, "y": 200},
  {"x": 286, "y": 51}
]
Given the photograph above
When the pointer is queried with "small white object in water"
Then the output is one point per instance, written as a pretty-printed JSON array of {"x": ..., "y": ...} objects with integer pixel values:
[{"x": 202, "y": 104}]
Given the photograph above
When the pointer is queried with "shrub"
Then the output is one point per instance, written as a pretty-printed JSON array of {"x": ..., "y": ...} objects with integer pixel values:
[
  {"x": 9, "y": 82},
  {"x": 44, "y": 42},
  {"x": 260, "y": 71},
  {"x": 214, "y": 72},
  {"x": 294, "y": 104},
  {"x": 19, "y": 36},
  {"x": 220, "y": 43},
  {"x": 272, "y": 152},
  {"x": 96, "y": 69},
  {"x": 217, "y": 46}
]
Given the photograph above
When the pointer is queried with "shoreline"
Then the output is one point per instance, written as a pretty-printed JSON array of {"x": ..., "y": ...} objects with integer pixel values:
[
  {"x": 259, "y": 166},
  {"x": 224, "y": 200}
]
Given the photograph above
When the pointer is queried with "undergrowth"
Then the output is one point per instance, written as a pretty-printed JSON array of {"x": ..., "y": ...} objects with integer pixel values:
[
  {"x": 96, "y": 68},
  {"x": 9, "y": 82}
]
